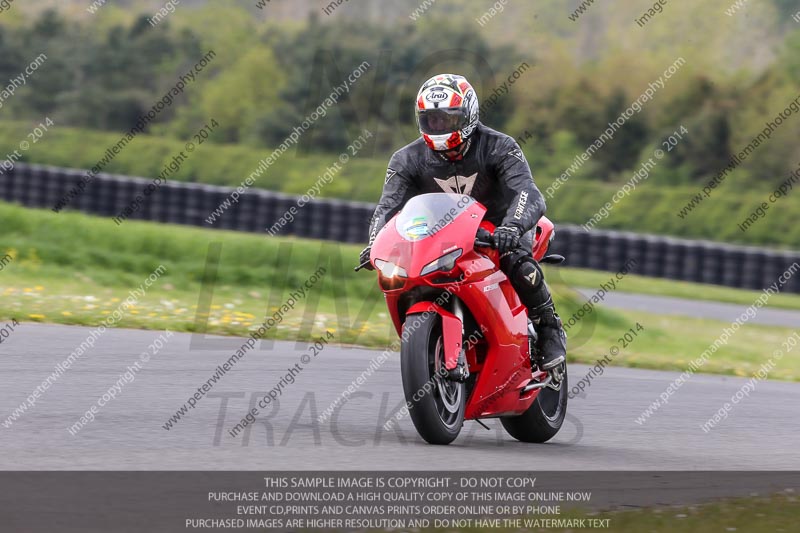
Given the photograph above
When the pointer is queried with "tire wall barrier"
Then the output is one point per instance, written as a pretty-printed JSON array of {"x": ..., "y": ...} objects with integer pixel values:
[{"x": 342, "y": 221}]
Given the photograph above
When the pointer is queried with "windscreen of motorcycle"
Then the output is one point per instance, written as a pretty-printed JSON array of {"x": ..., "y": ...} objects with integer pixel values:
[{"x": 426, "y": 214}]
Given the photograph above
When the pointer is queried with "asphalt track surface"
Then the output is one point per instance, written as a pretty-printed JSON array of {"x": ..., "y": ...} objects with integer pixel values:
[
  {"x": 668, "y": 305},
  {"x": 761, "y": 432}
]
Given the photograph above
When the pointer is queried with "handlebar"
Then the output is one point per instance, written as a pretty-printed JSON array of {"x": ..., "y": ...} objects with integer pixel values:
[
  {"x": 484, "y": 238},
  {"x": 362, "y": 265}
]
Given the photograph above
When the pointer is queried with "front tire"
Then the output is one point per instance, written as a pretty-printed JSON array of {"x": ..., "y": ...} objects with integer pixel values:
[
  {"x": 436, "y": 404},
  {"x": 544, "y": 417}
]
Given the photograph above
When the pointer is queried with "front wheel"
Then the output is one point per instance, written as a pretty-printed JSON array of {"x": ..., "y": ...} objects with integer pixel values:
[
  {"x": 436, "y": 404},
  {"x": 543, "y": 418}
]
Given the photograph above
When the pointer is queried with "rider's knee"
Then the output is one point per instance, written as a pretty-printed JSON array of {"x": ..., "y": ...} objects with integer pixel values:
[
  {"x": 510, "y": 260},
  {"x": 527, "y": 273}
]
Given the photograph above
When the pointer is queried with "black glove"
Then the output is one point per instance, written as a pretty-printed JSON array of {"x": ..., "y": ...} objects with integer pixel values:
[
  {"x": 364, "y": 258},
  {"x": 506, "y": 238}
]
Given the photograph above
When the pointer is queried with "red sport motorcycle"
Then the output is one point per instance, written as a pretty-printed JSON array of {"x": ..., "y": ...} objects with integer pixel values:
[{"x": 468, "y": 346}]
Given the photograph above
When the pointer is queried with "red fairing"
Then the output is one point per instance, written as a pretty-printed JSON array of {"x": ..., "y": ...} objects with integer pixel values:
[
  {"x": 451, "y": 330},
  {"x": 544, "y": 232},
  {"x": 414, "y": 239}
]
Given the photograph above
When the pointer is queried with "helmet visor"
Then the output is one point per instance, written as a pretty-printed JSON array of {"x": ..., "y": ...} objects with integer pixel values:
[{"x": 442, "y": 121}]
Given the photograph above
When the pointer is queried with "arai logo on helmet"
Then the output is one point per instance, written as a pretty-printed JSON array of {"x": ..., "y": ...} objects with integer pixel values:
[{"x": 436, "y": 95}]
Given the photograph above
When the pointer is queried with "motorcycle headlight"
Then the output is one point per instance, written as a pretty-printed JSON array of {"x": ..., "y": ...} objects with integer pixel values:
[
  {"x": 444, "y": 263},
  {"x": 390, "y": 270}
]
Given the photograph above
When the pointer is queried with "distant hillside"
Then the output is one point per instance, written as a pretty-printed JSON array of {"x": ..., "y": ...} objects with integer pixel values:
[
  {"x": 547, "y": 73},
  {"x": 746, "y": 39}
]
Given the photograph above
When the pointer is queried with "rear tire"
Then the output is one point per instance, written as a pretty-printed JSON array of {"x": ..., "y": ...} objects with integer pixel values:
[
  {"x": 544, "y": 417},
  {"x": 436, "y": 404}
]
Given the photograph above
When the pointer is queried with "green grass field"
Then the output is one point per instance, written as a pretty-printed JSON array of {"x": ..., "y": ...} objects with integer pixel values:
[
  {"x": 70, "y": 268},
  {"x": 651, "y": 210},
  {"x": 778, "y": 513}
]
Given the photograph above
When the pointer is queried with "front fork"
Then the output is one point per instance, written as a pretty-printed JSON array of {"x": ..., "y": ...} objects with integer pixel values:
[
  {"x": 461, "y": 372},
  {"x": 452, "y": 331},
  {"x": 452, "y": 336}
]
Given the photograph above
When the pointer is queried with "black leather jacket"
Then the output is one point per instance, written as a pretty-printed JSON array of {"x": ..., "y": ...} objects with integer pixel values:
[{"x": 493, "y": 171}]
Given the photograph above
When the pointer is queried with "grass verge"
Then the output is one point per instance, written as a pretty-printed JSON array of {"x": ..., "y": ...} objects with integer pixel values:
[
  {"x": 70, "y": 268},
  {"x": 777, "y": 513}
]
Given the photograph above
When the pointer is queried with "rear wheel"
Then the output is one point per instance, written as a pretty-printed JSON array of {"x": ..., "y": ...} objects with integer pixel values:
[
  {"x": 543, "y": 418},
  {"x": 436, "y": 404}
]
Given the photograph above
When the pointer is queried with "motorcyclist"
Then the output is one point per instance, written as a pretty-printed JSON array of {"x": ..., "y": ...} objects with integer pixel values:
[{"x": 458, "y": 154}]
